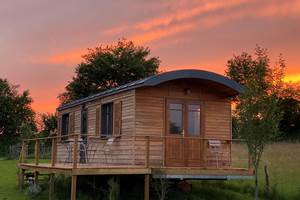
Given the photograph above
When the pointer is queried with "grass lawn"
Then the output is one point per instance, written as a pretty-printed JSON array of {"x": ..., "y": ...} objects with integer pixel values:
[
  {"x": 284, "y": 162},
  {"x": 8, "y": 181},
  {"x": 282, "y": 159}
]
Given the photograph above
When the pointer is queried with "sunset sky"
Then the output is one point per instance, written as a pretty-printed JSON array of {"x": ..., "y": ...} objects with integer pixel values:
[{"x": 42, "y": 41}]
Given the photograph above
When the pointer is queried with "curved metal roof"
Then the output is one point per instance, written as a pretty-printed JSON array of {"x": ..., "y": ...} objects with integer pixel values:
[{"x": 161, "y": 78}]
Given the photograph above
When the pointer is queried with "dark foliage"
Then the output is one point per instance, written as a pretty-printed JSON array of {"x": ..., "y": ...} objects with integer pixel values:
[
  {"x": 290, "y": 123},
  {"x": 48, "y": 124},
  {"x": 16, "y": 115},
  {"x": 108, "y": 67}
]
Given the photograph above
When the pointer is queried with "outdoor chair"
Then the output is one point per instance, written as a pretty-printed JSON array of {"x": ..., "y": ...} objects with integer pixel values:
[
  {"x": 107, "y": 150},
  {"x": 215, "y": 147}
]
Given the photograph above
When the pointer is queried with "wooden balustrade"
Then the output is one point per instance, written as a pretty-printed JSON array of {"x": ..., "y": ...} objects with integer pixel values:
[
  {"x": 75, "y": 152},
  {"x": 53, "y": 151},
  {"x": 37, "y": 151},
  {"x": 147, "y": 151}
]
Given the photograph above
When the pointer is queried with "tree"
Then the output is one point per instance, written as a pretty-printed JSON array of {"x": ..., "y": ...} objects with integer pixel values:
[
  {"x": 16, "y": 115},
  {"x": 257, "y": 110},
  {"x": 290, "y": 123},
  {"x": 48, "y": 124},
  {"x": 110, "y": 66}
]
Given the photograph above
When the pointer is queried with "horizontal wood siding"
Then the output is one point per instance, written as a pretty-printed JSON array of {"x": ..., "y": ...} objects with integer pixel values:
[
  {"x": 122, "y": 151},
  {"x": 218, "y": 120},
  {"x": 127, "y": 121},
  {"x": 149, "y": 115}
]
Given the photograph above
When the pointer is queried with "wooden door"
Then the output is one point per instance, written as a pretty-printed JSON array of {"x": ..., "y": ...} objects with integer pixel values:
[
  {"x": 174, "y": 136},
  {"x": 183, "y": 138},
  {"x": 193, "y": 142}
]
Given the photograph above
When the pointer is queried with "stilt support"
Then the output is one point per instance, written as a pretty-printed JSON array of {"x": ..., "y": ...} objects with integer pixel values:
[
  {"x": 36, "y": 177},
  {"x": 73, "y": 187},
  {"x": 51, "y": 186},
  {"x": 21, "y": 179},
  {"x": 147, "y": 187}
]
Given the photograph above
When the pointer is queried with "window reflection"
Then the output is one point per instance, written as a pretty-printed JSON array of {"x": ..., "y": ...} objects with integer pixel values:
[
  {"x": 194, "y": 120},
  {"x": 175, "y": 118}
]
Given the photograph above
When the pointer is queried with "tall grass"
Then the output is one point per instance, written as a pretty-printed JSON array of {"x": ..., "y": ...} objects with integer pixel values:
[{"x": 282, "y": 159}]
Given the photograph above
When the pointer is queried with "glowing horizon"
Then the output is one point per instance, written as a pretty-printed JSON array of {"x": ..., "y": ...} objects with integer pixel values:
[{"x": 43, "y": 41}]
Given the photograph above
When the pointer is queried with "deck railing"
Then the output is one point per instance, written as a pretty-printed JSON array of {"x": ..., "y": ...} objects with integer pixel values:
[{"x": 75, "y": 150}]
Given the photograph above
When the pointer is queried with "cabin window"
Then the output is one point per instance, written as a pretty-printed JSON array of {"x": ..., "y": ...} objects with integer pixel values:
[
  {"x": 65, "y": 125},
  {"x": 106, "y": 119},
  {"x": 194, "y": 120},
  {"x": 175, "y": 118},
  {"x": 84, "y": 121}
]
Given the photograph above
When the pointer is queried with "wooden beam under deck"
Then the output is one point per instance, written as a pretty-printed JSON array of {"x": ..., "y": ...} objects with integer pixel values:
[
  {"x": 86, "y": 170},
  {"x": 201, "y": 171},
  {"x": 122, "y": 170}
]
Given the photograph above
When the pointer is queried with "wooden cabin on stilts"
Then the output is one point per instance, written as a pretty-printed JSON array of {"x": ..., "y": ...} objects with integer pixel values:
[{"x": 175, "y": 124}]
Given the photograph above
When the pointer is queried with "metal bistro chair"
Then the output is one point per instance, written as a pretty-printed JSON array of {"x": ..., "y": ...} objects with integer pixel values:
[
  {"x": 107, "y": 150},
  {"x": 83, "y": 151},
  {"x": 83, "y": 146},
  {"x": 215, "y": 147},
  {"x": 69, "y": 147},
  {"x": 91, "y": 149}
]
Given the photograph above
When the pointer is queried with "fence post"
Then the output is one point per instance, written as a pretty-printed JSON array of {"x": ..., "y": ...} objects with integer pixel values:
[
  {"x": 53, "y": 152},
  {"x": 75, "y": 149},
  {"x": 37, "y": 151},
  {"x": 147, "y": 151},
  {"x": 23, "y": 152}
]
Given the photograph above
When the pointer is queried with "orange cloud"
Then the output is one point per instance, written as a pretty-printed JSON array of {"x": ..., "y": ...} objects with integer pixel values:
[
  {"x": 285, "y": 8},
  {"x": 163, "y": 26},
  {"x": 161, "y": 33},
  {"x": 187, "y": 13},
  {"x": 179, "y": 15},
  {"x": 68, "y": 57},
  {"x": 73, "y": 56}
]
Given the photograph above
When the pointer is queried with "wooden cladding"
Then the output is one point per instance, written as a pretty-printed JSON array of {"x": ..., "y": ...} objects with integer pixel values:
[
  {"x": 59, "y": 125},
  {"x": 98, "y": 116},
  {"x": 117, "y": 127},
  {"x": 72, "y": 123}
]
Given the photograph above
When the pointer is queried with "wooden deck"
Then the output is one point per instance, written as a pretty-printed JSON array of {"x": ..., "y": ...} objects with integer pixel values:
[{"x": 140, "y": 164}]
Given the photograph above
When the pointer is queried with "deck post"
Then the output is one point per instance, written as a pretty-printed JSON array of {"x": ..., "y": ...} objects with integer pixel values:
[
  {"x": 75, "y": 149},
  {"x": 23, "y": 152},
  {"x": 147, "y": 151},
  {"x": 73, "y": 187},
  {"x": 37, "y": 151},
  {"x": 36, "y": 177},
  {"x": 51, "y": 186},
  {"x": 146, "y": 187},
  {"x": 21, "y": 179},
  {"x": 53, "y": 152}
]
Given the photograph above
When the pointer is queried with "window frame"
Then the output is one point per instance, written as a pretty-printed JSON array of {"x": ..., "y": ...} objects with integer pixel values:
[
  {"x": 185, "y": 112},
  {"x": 200, "y": 117},
  {"x": 109, "y": 123},
  {"x": 167, "y": 110},
  {"x": 65, "y": 126},
  {"x": 84, "y": 111}
]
